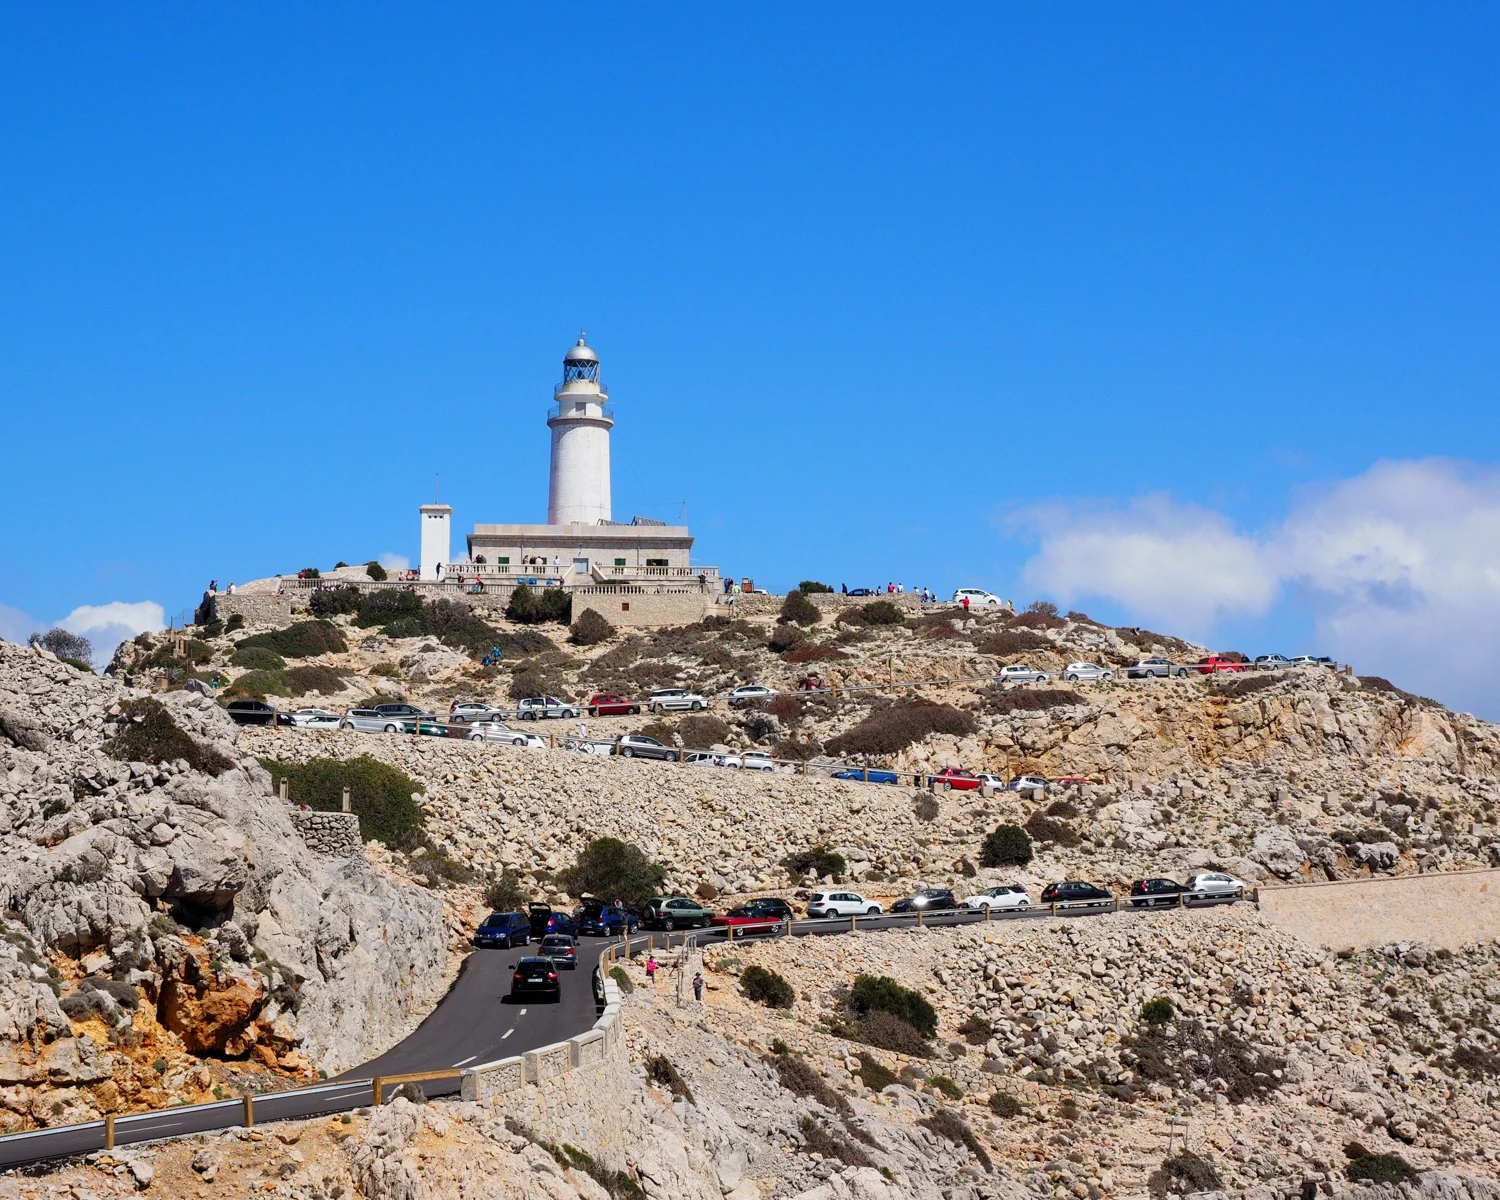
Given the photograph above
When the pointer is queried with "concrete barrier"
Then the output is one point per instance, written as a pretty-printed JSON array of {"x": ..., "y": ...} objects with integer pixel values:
[{"x": 1446, "y": 909}]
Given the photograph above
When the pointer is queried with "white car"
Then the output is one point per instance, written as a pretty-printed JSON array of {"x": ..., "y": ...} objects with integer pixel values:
[
  {"x": 675, "y": 700},
  {"x": 841, "y": 904},
  {"x": 1216, "y": 883},
  {"x": 976, "y": 597},
  {"x": 990, "y": 783},
  {"x": 497, "y": 731},
  {"x": 711, "y": 758},
  {"x": 1008, "y": 896},
  {"x": 316, "y": 718},
  {"x": 757, "y": 760},
  {"x": 1082, "y": 672},
  {"x": 750, "y": 693},
  {"x": 1314, "y": 660},
  {"x": 1027, "y": 783},
  {"x": 1021, "y": 673}
]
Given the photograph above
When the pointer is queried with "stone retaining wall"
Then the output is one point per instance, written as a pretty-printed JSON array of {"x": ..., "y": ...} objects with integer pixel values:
[
  {"x": 334, "y": 833},
  {"x": 573, "y": 1091},
  {"x": 275, "y": 611},
  {"x": 629, "y": 610},
  {"x": 1444, "y": 909}
]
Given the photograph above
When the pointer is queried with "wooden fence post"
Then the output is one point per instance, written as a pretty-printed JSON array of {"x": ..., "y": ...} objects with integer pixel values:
[
  {"x": 377, "y": 1085},
  {"x": 249, "y": 1119},
  {"x": 109, "y": 1131},
  {"x": 348, "y": 806}
]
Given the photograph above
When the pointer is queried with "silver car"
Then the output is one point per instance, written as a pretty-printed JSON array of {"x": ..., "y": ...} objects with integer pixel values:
[
  {"x": 675, "y": 700},
  {"x": 750, "y": 693},
  {"x": 367, "y": 720},
  {"x": 1021, "y": 673},
  {"x": 498, "y": 731},
  {"x": 1158, "y": 668},
  {"x": 1082, "y": 672},
  {"x": 471, "y": 712},
  {"x": 1216, "y": 883},
  {"x": 536, "y": 707}
]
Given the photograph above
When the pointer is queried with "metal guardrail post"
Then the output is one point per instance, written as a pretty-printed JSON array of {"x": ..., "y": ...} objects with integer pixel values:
[
  {"x": 109, "y": 1131},
  {"x": 249, "y": 1118}
]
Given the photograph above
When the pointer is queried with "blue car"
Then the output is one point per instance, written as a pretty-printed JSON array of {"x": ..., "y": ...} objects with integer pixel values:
[
  {"x": 605, "y": 920},
  {"x": 545, "y": 919},
  {"x": 862, "y": 776}
]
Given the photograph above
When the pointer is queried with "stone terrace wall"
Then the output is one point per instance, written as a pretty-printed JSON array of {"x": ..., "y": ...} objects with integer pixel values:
[
  {"x": 333, "y": 833},
  {"x": 767, "y": 604},
  {"x": 575, "y": 1091},
  {"x": 275, "y": 611},
  {"x": 1444, "y": 909},
  {"x": 636, "y": 609}
]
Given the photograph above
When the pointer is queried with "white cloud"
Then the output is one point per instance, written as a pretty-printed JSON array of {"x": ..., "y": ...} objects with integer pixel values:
[
  {"x": 395, "y": 562},
  {"x": 141, "y": 616},
  {"x": 1400, "y": 567}
]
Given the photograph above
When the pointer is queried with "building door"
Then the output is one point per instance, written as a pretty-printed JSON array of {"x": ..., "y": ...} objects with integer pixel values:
[{"x": 580, "y": 566}]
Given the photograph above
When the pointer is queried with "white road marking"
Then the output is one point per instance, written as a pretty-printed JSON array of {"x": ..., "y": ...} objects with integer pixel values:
[
  {"x": 507, "y": 1033},
  {"x": 470, "y": 1059},
  {"x": 523, "y": 1012}
]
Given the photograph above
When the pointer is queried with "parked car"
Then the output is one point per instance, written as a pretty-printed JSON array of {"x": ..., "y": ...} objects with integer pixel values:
[
  {"x": 675, "y": 912},
  {"x": 535, "y": 708},
  {"x": 503, "y": 930},
  {"x": 861, "y": 592},
  {"x": 1004, "y": 896},
  {"x": 865, "y": 775},
  {"x": 432, "y": 727},
  {"x": 251, "y": 712},
  {"x": 956, "y": 779},
  {"x": 1212, "y": 664},
  {"x": 317, "y": 717},
  {"x": 711, "y": 758},
  {"x": 638, "y": 745},
  {"x": 1082, "y": 672},
  {"x": 1156, "y": 893},
  {"x": 1158, "y": 668},
  {"x": 367, "y": 720},
  {"x": 976, "y": 596},
  {"x": 926, "y": 900},
  {"x": 1271, "y": 662},
  {"x": 1028, "y": 783},
  {"x": 498, "y": 731},
  {"x": 1309, "y": 660},
  {"x": 604, "y": 920},
  {"x": 562, "y": 949},
  {"x": 405, "y": 711},
  {"x": 757, "y": 760},
  {"x": 1215, "y": 884},
  {"x": 750, "y": 693},
  {"x": 989, "y": 783},
  {"x": 841, "y": 904},
  {"x": 1075, "y": 893},
  {"x": 607, "y": 704},
  {"x": 536, "y": 976},
  {"x": 1021, "y": 673},
  {"x": 475, "y": 710},
  {"x": 675, "y": 700},
  {"x": 762, "y": 915},
  {"x": 545, "y": 919}
]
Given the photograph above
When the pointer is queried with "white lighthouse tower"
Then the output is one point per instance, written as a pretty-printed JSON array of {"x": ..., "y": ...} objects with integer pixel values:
[{"x": 580, "y": 421}]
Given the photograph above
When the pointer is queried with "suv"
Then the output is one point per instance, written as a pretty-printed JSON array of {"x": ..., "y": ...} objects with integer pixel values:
[
  {"x": 536, "y": 707},
  {"x": 638, "y": 745},
  {"x": 1158, "y": 668},
  {"x": 604, "y": 920},
  {"x": 1156, "y": 893},
  {"x": 926, "y": 900},
  {"x": 675, "y": 699},
  {"x": 976, "y": 596},
  {"x": 607, "y": 704},
  {"x": 251, "y": 712},
  {"x": 841, "y": 904},
  {"x": 668, "y": 912},
  {"x": 1074, "y": 893},
  {"x": 503, "y": 930}
]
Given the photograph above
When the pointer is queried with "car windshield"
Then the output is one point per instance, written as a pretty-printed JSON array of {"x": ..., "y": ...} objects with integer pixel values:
[{"x": 494, "y": 920}]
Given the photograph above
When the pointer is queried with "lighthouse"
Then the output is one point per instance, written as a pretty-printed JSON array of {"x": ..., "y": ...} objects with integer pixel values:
[{"x": 580, "y": 420}]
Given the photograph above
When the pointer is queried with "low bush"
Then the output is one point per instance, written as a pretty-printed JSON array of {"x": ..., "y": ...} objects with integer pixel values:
[
  {"x": 329, "y": 602},
  {"x": 505, "y": 894},
  {"x": 256, "y": 658},
  {"x": 926, "y": 807},
  {"x": 1187, "y": 1172},
  {"x": 380, "y": 795},
  {"x": 1037, "y": 620},
  {"x": 522, "y": 606},
  {"x": 881, "y": 993},
  {"x": 798, "y": 609},
  {"x": 801, "y": 1078},
  {"x": 555, "y": 605},
  {"x": 1365, "y": 1167},
  {"x": 785, "y": 707},
  {"x": 1046, "y": 830},
  {"x": 884, "y": 1031},
  {"x": 385, "y": 607},
  {"x": 537, "y": 679},
  {"x": 660, "y": 1071},
  {"x": 812, "y": 654},
  {"x": 881, "y": 612},
  {"x": 941, "y": 1083},
  {"x": 891, "y": 730},
  {"x": 1005, "y": 846},
  {"x": 949, "y": 1125},
  {"x": 759, "y": 726},
  {"x": 873, "y": 1074},
  {"x": 1003, "y": 1104},
  {"x": 820, "y": 860},
  {"x": 1179, "y": 1052},
  {"x": 976, "y": 1030},
  {"x": 809, "y": 587},
  {"x": 786, "y": 637},
  {"x": 235, "y": 623},
  {"x": 148, "y": 734},
  {"x": 622, "y": 977},
  {"x": 1014, "y": 641},
  {"x": 1062, "y": 808},
  {"x": 1006, "y": 700},
  {"x": 1247, "y": 685},
  {"x": 375, "y": 571},
  {"x": 663, "y": 731},
  {"x": 305, "y": 639},
  {"x": 312, "y": 678},
  {"x": 817, "y": 1140},
  {"x": 386, "y": 670},
  {"x": 699, "y": 731},
  {"x": 766, "y": 987},
  {"x": 590, "y": 629},
  {"x": 794, "y": 749},
  {"x": 609, "y": 867},
  {"x": 1158, "y": 1011}
]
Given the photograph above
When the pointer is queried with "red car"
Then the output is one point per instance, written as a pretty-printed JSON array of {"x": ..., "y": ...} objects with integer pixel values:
[
  {"x": 764, "y": 915},
  {"x": 957, "y": 779},
  {"x": 607, "y": 704},
  {"x": 1214, "y": 663}
]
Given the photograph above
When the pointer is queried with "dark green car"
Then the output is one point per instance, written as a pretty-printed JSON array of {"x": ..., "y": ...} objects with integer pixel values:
[{"x": 675, "y": 912}]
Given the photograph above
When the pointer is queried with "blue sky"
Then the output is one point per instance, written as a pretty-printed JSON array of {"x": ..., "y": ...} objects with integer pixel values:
[{"x": 1181, "y": 315}]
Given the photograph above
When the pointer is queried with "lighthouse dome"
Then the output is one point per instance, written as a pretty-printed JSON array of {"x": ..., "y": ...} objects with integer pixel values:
[{"x": 580, "y": 353}]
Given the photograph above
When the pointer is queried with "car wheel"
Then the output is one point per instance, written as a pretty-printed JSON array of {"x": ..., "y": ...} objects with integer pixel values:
[
  {"x": 1023, "y": 904},
  {"x": 1181, "y": 672},
  {"x": 519, "y": 742},
  {"x": 697, "y": 707},
  {"x": 947, "y": 786},
  {"x": 627, "y": 752},
  {"x": 1071, "y": 678},
  {"x": 873, "y": 911},
  {"x": 593, "y": 712},
  {"x": 390, "y": 729},
  {"x": 669, "y": 925}
]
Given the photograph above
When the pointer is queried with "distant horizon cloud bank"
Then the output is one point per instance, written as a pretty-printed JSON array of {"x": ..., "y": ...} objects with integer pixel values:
[{"x": 105, "y": 625}]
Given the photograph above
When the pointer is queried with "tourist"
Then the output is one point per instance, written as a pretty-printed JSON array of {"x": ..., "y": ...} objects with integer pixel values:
[
  {"x": 213, "y": 587},
  {"x": 651, "y": 970},
  {"x": 698, "y": 986},
  {"x": 231, "y": 589},
  {"x": 966, "y": 604}
]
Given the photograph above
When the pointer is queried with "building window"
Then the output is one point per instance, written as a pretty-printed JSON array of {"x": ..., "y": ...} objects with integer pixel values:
[
  {"x": 656, "y": 562},
  {"x": 504, "y": 562},
  {"x": 619, "y": 562}
]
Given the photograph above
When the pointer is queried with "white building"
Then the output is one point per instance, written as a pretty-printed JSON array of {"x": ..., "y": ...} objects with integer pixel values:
[
  {"x": 437, "y": 521},
  {"x": 580, "y": 420}
]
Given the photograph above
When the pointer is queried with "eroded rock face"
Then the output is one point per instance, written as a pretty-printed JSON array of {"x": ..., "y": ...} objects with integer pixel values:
[{"x": 193, "y": 890}]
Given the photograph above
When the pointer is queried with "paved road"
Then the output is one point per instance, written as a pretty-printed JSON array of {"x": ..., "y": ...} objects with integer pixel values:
[{"x": 474, "y": 1023}]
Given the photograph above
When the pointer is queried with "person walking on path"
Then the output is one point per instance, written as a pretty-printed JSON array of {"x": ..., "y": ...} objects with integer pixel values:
[
  {"x": 651, "y": 970},
  {"x": 698, "y": 986}
]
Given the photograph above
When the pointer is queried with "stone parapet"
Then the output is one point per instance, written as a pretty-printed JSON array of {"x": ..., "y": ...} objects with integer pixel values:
[{"x": 332, "y": 833}]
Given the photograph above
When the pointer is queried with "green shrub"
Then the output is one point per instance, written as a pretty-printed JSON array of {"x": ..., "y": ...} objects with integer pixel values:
[
  {"x": 505, "y": 894},
  {"x": 64, "y": 644},
  {"x": 818, "y": 1140},
  {"x": 310, "y": 573},
  {"x": 1186, "y": 1172},
  {"x": 403, "y": 627},
  {"x": 1183, "y": 1051},
  {"x": 891, "y": 730},
  {"x": 820, "y": 860},
  {"x": 387, "y": 670},
  {"x": 766, "y": 987},
  {"x": 622, "y": 977},
  {"x": 1045, "y": 829},
  {"x": 786, "y": 637},
  {"x": 660, "y": 1071},
  {"x": 1014, "y": 641},
  {"x": 258, "y": 684},
  {"x": 384, "y": 607},
  {"x": 1158, "y": 1011},
  {"x": 328, "y": 602},
  {"x": 976, "y": 1029},
  {"x": 946, "y": 1086},
  {"x": 1003, "y": 1104},
  {"x": 699, "y": 731},
  {"x": 78, "y": 664},
  {"x": 535, "y": 679},
  {"x": 611, "y": 868},
  {"x": 949, "y": 1125},
  {"x": 884, "y": 1031},
  {"x": 881, "y": 993},
  {"x": 801, "y": 1078},
  {"x": 1005, "y": 846},
  {"x": 555, "y": 605},
  {"x": 590, "y": 629},
  {"x": 380, "y": 795},
  {"x": 1376, "y": 1168},
  {"x": 798, "y": 609},
  {"x": 235, "y": 623},
  {"x": 881, "y": 612},
  {"x": 312, "y": 678},
  {"x": 375, "y": 571},
  {"x": 522, "y": 606},
  {"x": 148, "y": 734},
  {"x": 302, "y": 640},
  {"x": 873, "y": 1074},
  {"x": 810, "y": 587},
  {"x": 256, "y": 658},
  {"x": 455, "y": 624}
]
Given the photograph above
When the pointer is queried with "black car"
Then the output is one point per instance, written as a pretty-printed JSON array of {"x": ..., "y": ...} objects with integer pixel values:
[
  {"x": 1075, "y": 893},
  {"x": 765, "y": 906},
  {"x": 926, "y": 900},
  {"x": 503, "y": 930},
  {"x": 1156, "y": 893},
  {"x": 545, "y": 919},
  {"x": 860, "y": 592},
  {"x": 252, "y": 712},
  {"x": 536, "y": 976}
]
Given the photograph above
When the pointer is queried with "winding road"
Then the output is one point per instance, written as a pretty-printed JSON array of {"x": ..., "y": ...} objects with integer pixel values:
[{"x": 475, "y": 1022}]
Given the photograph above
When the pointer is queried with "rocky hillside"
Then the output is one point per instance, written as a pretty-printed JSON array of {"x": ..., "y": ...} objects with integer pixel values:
[{"x": 163, "y": 930}]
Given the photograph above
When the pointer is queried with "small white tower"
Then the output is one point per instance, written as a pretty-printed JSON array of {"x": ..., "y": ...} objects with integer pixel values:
[
  {"x": 580, "y": 421},
  {"x": 436, "y": 522}
]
